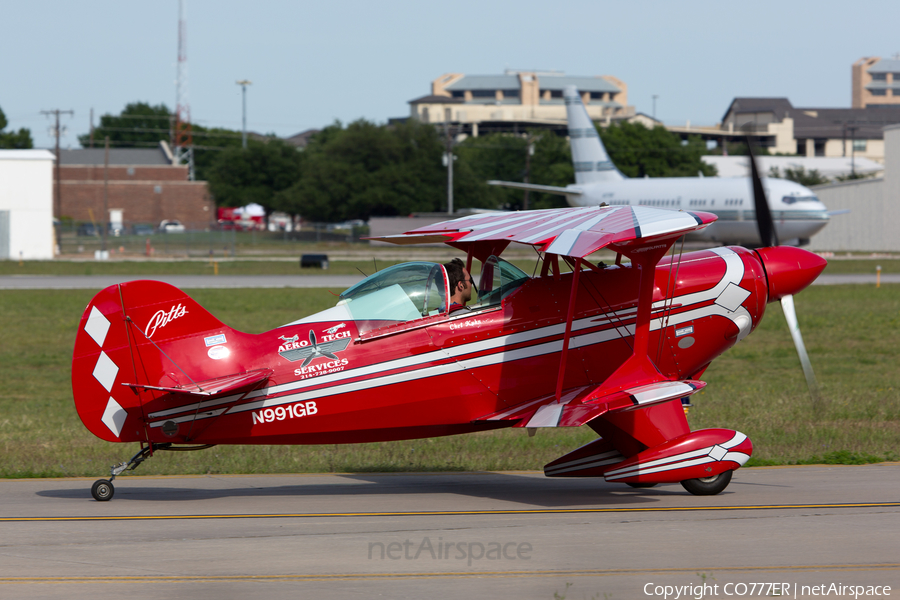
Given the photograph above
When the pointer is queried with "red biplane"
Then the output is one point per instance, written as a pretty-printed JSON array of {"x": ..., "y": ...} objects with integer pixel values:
[{"x": 616, "y": 348}]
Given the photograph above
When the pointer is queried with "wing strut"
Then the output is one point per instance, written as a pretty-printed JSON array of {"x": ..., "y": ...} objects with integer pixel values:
[
  {"x": 569, "y": 318},
  {"x": 639, "y": 368}
]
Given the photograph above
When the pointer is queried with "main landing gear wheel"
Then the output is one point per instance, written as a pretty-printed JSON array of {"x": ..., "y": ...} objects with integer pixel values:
[
  {"x": 708, "y": 486},
  {"x": 102, "y": 490}
]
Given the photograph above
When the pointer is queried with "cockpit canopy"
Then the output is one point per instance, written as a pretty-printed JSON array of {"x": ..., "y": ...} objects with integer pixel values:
[
  {"x": 415, "y": 290},
  {"x": 399, "y": 293}
]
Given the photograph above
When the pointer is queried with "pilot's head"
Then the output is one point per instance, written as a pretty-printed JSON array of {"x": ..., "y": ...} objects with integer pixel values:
[{"x": 460, "y": 281}]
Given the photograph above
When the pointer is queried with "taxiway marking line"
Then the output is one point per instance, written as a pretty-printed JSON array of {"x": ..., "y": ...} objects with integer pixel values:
[
  {"x": 451, "y": 513},
  {"x": 437, "y": 574}
]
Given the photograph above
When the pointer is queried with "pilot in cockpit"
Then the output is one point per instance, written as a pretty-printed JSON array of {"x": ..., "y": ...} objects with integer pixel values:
[{"x": 461, "y": 285}]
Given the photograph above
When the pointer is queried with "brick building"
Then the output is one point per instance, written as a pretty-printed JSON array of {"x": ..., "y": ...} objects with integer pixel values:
[{"x": 144, "y": 187}]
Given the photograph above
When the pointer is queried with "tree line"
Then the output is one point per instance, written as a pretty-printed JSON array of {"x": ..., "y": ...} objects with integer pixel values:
[
  {"x": 14, "y": 140},
  {"x": 362, "y": 169}
]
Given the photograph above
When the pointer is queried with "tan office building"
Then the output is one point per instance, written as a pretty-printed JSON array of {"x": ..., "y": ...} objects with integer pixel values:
[
  {"x": 823, "y": 132},
  {"x": 521, "y": 97},
  {"x": 876, "y": 81}
]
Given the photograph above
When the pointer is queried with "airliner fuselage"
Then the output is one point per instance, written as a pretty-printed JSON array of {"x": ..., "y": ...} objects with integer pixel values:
[{"x": 797, "y": 212}]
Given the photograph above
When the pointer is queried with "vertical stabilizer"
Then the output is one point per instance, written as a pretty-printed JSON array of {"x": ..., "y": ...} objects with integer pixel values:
[{"x": 591, "y": 161}]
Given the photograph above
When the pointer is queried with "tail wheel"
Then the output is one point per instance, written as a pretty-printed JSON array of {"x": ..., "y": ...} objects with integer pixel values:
[
  {"x": 102, "y": 490},
  {"x": 708, "y": 486}
]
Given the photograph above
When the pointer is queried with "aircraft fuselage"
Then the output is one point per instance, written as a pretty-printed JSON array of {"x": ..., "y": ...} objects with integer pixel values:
[{"x": 797, "y": 212}]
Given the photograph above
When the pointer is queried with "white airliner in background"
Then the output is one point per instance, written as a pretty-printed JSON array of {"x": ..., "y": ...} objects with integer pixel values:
[{"x": 797, "y": 212}]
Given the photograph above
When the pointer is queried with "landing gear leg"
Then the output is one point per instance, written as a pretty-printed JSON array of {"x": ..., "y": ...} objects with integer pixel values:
[{"x": 103, "y": 489}]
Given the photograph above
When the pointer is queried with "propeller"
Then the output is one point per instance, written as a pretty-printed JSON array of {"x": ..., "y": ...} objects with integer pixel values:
[{"x": 769, "y": 237}]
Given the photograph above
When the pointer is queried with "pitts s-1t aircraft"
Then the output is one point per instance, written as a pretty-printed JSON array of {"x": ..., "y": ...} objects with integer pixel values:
[{"x": 614, "y": 347}]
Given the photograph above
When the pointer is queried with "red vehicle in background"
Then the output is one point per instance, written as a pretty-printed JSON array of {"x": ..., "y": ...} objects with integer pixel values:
[{"x": 239, "y": 219}]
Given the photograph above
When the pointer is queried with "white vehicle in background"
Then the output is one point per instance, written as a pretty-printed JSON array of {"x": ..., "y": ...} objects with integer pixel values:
[{"x": 171, "y": 226}]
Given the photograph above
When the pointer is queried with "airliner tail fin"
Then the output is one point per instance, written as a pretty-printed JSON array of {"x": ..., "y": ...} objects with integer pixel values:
[{"x": 591, "y": 161}]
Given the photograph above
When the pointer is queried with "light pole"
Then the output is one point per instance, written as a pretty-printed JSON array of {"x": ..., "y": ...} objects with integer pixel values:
[
  {"x": 448, "y": 162},
  {"x": 244, "y": 83}
]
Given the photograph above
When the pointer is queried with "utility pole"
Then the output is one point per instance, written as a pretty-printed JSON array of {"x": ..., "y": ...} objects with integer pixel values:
[
  {"x": 105, "y": 195},
  {"x": 244, "y": 83},
  {"x": 448, "y": 162},
  {"x": 529, "y": 152},
  {"x": 655, "y": 96},
  {"x": 57, "y": 204}
]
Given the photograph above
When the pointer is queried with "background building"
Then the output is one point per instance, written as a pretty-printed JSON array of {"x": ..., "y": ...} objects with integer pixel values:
[
  {"x": 517, "y": 100},
  {"x": 26, "y": 204},
  {"x": 785, "y": 129},
  {"x": 873, "y": 223},
  {"x": 145, "y": 186},
  {"x": 875, "y": 81}
]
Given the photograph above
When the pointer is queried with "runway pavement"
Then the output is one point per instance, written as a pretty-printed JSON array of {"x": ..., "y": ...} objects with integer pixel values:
[
  {"x": 451, "y": 535},
  {"x": 335, "y": 282}
]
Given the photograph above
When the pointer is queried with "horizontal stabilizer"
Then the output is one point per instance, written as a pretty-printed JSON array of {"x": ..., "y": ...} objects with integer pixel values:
[
  {"x": 212, "y": 387},
  {"x": 543, "y": 189}
]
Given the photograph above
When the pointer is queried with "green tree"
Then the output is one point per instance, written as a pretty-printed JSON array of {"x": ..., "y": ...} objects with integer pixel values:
[
  {"x": 504, "y": 157},
  {"x": 142, "y": 125},
  {"x": 638, "y": 151},
  {"x": 365, "y": 169},
  {"x": 239, "y": 176},
  {"x": 800, "y": 175},
  {"x": 854, "y": 176},
  {"x": 14, "y": 140},
  {"x": 139, "y": 124}
]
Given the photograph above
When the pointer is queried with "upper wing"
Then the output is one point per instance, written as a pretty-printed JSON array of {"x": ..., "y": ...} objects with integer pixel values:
[
  {"x": 531, "y": 187},
  {"x": 574, "y": 232}
]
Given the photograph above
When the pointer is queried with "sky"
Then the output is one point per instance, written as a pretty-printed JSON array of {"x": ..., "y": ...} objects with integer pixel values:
[{"x": 312, "y": 63}]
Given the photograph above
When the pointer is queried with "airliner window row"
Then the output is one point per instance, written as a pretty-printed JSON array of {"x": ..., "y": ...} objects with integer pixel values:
[{"x": 659, "y": 202}]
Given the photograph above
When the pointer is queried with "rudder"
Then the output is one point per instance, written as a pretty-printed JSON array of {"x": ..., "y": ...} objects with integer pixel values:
[{"x": 117, "y": 328}]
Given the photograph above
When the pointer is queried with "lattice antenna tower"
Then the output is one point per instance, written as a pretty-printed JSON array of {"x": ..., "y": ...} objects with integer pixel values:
[{"x": 182, "y": 135}]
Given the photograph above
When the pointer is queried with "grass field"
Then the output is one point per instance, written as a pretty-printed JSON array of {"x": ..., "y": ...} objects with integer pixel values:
[{"x": 851, "y": 332}]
